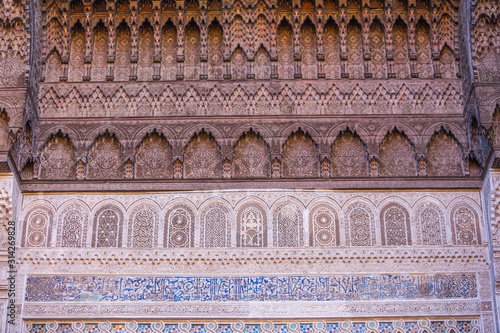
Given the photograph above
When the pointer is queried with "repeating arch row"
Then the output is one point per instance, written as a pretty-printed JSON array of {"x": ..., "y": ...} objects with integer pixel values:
[
  {"x": 216, "y": 224},
  {"x": 299, "y": 156},
  {"x": 315, "y": 39}
]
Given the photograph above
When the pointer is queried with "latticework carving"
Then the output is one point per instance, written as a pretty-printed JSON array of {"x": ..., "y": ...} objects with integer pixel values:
[
  {"x": 251, "y": 228},
  {"x": 287, "y": 225},
  {"x": 430, "y": 225},
  {"x": 360, "y": 228},
  {"x": 108, "y": 227},
  {"x": 72, "y": 227},
  {"x": 323, "y": 226},
  {"x": 465, "y": 225},
  {"x": 179, "y": 227},
  {"x": 143, "y": 227},
  {"x": 215, "y": 227},
  {"x": 395, "y": 225},
  {"x": 38, "y": 224}
]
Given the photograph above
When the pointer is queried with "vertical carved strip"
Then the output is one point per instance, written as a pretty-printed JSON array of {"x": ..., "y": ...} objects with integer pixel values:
[
  {"x": 226, "y": 26},
  {"x": 412, "y": 38},
  {"x": 157, "y": 40},
  {"x": 389, "y": 24},
  {"x": 250, "y": 47},
  {"x": 320, "y": 51},
  {"x": 273, "y": 41},
  {"x": 65, "y": 42},
  {"x": 435, "y": 39},
  {"x": 203, "y": 41},
  {"x": 111, "y": 42},
  {"x": 180, "y": 40},
  {"x": 297, "y": 54},
  {"x": 134, "y": 39},
  {"x": 89, "y": 37},
  {"x": 366, "y": 38},
  {"x": 343, "y": 38}
]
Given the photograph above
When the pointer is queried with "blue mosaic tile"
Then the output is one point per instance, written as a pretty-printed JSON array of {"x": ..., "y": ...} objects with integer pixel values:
[
  {"x": 385, "y": 328},
  {"x": 332, "y": 328},
  {"x": 411, "y": 327},
  {"x": 464, "y": 326},
  {"x": 280, "y": 329},
  {"x": 224, "y": 329},
  {"x": 306, "y": 328},
  {"x": 225, "y": 289},
  {"x": 252, "y": 329},
  {"x": 197, "y": 329},
  {"x": 358, "y": 328},
  {"x": 38, "y": 328},
  {"x": 171, "y": 329},
  {"x": 64, "y": 328},
  {"x": 437, "y": 327},
  {"x": 144, "y": 328}
]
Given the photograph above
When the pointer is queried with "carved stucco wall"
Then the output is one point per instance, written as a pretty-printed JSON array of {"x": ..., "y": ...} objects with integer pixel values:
[{"x": 120, "y": 96}]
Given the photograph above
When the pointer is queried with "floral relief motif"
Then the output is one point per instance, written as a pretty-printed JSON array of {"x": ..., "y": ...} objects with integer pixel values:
[
  {"x": 251, "y": 157},
  {"x": 300, "y": 156},
  {"x": 349, "y": 156},
  {"x": 153, "y": 158},
  {"x": 202, "y": 157},
  {"x": 397, "y": 158},
  {"x": 444, "y": 156},
  {"x": 58, "y": 159},
  {"x": 105, "y": 158}
]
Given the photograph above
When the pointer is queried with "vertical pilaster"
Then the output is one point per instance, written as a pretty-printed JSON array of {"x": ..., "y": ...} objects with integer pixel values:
[
  {"x": 134, "y": 39},
  {"x": 435, "y": 39},
  {"x": 412, "y": 49},
  {"x": 297, "y": 54},
  {"x": 180, "y": 40},
  {"x": 343, "y": 38},
  {"x": 89, "y": 40},
  {"x": 365, "y": 12},
  {"x": 250, "y": 42},
  {"x": 157, "y": 40},
  {"x": 226, "y": 47},
  {"x": 203, "y": 40},
  {"x": 389, "y": 24},
  {"x": 274, "y": 37},
  {"x": 320, "y": 45},
  {"x": 111, "y": 41}
]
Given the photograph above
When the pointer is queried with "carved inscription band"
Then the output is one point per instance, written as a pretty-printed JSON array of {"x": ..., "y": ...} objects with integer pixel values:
[{"x": 235, "y": 289}]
